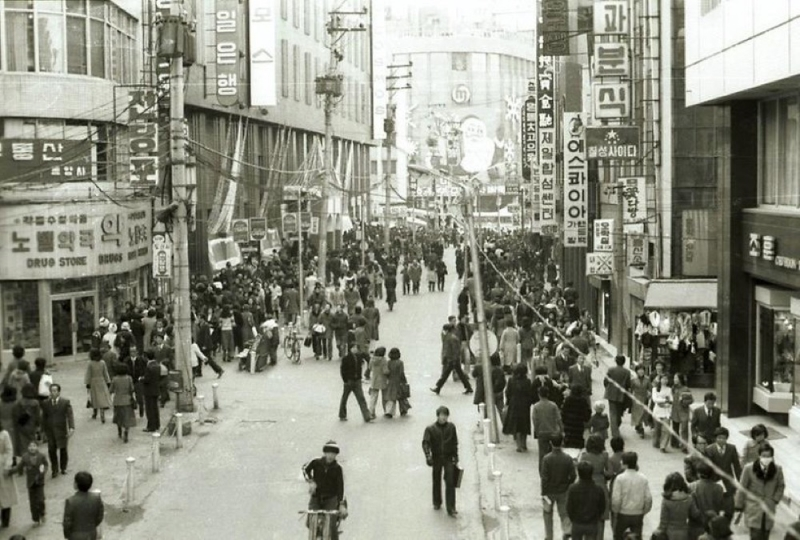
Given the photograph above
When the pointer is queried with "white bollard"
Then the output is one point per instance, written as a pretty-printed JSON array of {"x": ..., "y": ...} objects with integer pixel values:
[
  {"x": 498, "y": 491},
  {"x": 505, "y": 521},
  {"x": 155, "y": 452},
  {"x": 129, "y": 483},
  {"x": 179, "y": 429},
  {"x": 201, "y": 409},
  {"x": 492, "y": 447},
  {"x": 215, "y": 396},
  {"x": 486, "y": 440}
]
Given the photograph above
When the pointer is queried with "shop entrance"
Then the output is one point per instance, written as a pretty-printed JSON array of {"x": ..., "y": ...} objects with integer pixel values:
[{"x": 73, "y": 323}]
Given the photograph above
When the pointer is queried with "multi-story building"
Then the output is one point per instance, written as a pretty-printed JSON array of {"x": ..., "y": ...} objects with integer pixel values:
[
  {"x": 74, "y": 236},
  {"x": 461, "y": 114},
  {"x": 741, "y": 65}
]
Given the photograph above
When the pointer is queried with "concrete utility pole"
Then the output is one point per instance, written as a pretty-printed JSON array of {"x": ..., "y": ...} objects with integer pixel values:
[
  {"x": 172, "y": 28},
  {"x": 619, "y": 272},
  {"x": 330, "y": 86},
  {"x": 389, "y": 125}
]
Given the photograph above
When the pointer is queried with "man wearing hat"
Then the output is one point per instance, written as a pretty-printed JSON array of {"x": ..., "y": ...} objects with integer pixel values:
[
  {"x": 440, "y": 444},
  {"x": 326, "y": 484}
]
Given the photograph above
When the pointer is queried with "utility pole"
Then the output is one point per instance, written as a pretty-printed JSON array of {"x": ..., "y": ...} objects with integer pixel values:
[
  {"x": 173, "y": 36},
  {"x": 330, "y": 86},
  {"x": 619, "y": 272},
  {"x": 389, "y": 125},
  {"x": 301, "y": 278}
]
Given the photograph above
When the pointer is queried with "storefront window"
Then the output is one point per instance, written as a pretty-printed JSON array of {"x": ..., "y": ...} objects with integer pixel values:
[
  {"x": 20, "y": 314},
  {"x": 776, "y": 349}
]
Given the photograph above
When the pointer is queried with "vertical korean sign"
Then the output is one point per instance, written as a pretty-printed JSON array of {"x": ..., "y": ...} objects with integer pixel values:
[
  {"x": 530, "y": 151},
  {"x": 611, "y": 97},
  {"x": 262, "y": 36},
  {"x": 554, "y": 27},
  {"x": 547, "y": 145},
  {"x": 634, "y": 203},
  {"x": 603, "y": 235},
  {"x": 379, "y": 68},
  {"x": 575, "y": 181},
  {"x": 162, "y": 9},
  {"x": 226, "y": 31},
  {"x": 143, "y": 136}
]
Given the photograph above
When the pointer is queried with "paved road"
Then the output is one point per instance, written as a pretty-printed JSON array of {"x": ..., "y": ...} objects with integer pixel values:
[{"x": 243, "y": 481}]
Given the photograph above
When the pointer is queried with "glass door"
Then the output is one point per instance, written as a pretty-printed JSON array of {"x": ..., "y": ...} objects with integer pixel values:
[
  {"x": 73, "y": 324},
  {"x": 63, "y": 344},
  {"x": 84, "y": 309}
]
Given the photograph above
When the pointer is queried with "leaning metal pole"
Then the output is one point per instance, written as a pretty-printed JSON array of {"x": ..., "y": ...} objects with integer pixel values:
[{"x": 480, "y": 316}]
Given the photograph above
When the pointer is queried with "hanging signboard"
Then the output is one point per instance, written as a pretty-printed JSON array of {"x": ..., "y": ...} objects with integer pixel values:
[
  {"x": 530, "y": 144},
  {"x": 634, "y": 203},
  {"x": 611, "y": 17},
  {"x": 380, "y": 54},
  {"x": 314, "y": 225},
  {"x": 262, "y": 36},
  {"x": 56, "y": 160},
  {"x": 258, "y": 228},
  {"x": 289, "y": 224},
  {"x": 599, "y": 264},
  {"x": 226, "y": 32},
  {"x": 611, "y": 100},
  {"x": 612, "y": 143},
  {"x": 162, "y": 257},
  {"x": 575, "y": 181},
  {"x": 240, "y": 228},
  {"x": 545, "y": 124},
  {"x": 611, "y": 60},
  {"x": 554, "y": 27},
  {"x": 603, "y": 235},
  {"x": 143, "y": 136},
  {"x": 637, "y": 250}
]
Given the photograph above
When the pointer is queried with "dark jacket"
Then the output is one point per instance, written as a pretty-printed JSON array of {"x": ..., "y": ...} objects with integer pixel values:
[
  {"x": 350, "y": 368},
  {"x": 34, "y": 466},
  {"x": 57, "y": 420},
  {"x": 575, "y": 413},
  {"x": 704, "y": 424},
  {"x": 728, "y": 461},
  {"x": 152, "y": 378},
  {"x": 518, "y": 401},
  {"x": 621, "y": 376},
  {"x": 586, "y": 502},
  {"x": 451, "y": 349},
  {"x": 498, "y": 384},
  {"x": 83, "y": 513},
  {"x": 558, "y": 472},
  {"x": 328, "y": 477},
  {"x": 440, "y": 443}
]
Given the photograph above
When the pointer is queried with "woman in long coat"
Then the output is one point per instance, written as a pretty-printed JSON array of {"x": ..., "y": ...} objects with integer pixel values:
[
  {"x": 124, "y": 402},
  {"x": 396, "y": 381},
  {"x": 764, "y": 480},
  {"x": 8, "y": 483},
  {"x": 575, "y": 412},
  {"x": 373, "y": 317},
  {"x": 8, "y": 401},
  {"x": 27, "y": 418},
  {"x": 508, "y": 345},
  {"x": 378, "y": 381},
  {"x": 519, "y": 397},
  {"x": 97, "y": 381},
  {"x": 640, "y": 388}
]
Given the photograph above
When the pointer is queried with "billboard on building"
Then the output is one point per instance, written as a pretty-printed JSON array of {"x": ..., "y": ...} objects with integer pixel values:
[
  {"x": 554, "y": 27},
  {"x": 262, "y": 36},
  {"x": 575, "y": 181},
  {"x": 611, "y": 17},
  {"x": 143, "y": 136},
  {"x": 603, "y": 235},
  {"x": 547, "y": 145},
  {"x": 380, "y": 56},
  {"x": 226, "y": 46},
  {"x": 634, "y": 203},
  {"x": 617, "y": 142}
]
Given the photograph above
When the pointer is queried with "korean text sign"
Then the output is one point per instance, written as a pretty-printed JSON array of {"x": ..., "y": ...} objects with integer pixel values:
[
  {"x": 143, "y": 136},
  {"x": 575, "y": 181},
  {"x": 634, "y": 203},
  {"x": 547, "y": 144},
  {"x": 226, "y": 30},
  {"x": 47, "y": 241},
  {"x": 56, "y": 160}
]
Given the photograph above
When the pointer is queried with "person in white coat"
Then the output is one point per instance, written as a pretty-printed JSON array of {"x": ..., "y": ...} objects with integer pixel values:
[
  {"x": 378, "y": 381},
  {"x": 8, "y": 482},
  {"x": 662, "y": 412}
]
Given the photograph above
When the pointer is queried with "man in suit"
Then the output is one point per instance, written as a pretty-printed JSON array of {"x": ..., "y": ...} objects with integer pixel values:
[
  {"x": 617, "y": 381},
  {"x": 725, "y": 456},
  {"x": 151, "y": 388},
  {"x": 581, "y": 374},
  {"x": 706, "y": 419},
  {"x": 84, "y": 511},
  {"x": 59, "y": 425}
]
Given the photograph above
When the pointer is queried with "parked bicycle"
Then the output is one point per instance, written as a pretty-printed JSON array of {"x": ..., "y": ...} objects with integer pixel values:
[{"x": 291, "y": 344}]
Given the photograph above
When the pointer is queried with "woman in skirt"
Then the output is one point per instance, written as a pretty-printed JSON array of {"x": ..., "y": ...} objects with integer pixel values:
[{"x": 124, "y": 402}]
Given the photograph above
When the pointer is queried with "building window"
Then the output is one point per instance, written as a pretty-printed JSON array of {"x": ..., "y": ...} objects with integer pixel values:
[
  {"x": 284, "y": 9},
  {"x": 42, "y": 37},
  {"x": 776, "y": 350},
  {"x": 309, "y": 85},
  {"x": 284, "y": 68},
  {"x": 296, "y": 76},
  {"x": 296, "y": 13},
  {"x": 307, "y": 17},
  {"x": 21, "y": 314},
  {"x": 780, "y": 153}
]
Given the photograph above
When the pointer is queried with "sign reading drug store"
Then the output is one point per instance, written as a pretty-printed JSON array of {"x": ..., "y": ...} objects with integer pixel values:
[{"x": 59, "y": 241}]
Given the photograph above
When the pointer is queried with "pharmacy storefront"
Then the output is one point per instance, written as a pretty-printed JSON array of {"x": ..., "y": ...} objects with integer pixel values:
[{"x": 63, "y": 266}]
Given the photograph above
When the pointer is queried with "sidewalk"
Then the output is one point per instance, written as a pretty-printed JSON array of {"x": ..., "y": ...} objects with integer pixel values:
[{"x": 94, "y": 447}]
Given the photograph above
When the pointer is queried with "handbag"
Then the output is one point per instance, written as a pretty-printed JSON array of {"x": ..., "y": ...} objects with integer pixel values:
[
  {"x": 405, "y": 390},
  {"x": 307, "y": 341},
  {"x": 459, "y": 475},
  {"x": 88, "y": 403}
]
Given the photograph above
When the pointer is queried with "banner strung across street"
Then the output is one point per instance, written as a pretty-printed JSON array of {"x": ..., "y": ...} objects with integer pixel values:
[{"x": 575, "y": 181}]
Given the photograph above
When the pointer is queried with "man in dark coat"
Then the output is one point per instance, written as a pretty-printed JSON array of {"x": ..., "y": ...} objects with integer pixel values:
[
  {"x": 706, "y": 419},
  {"x": 59, "y": 424},
  {"x": 725, "y": 456},
  {"x": 451, "y": 360},
  {"x": 440, "y": 444},
  {"x": 617, "y": 381},
  {"x": 84, "y": 511},
  {"x": 350, "y": 371},
  {"x": 581, "y": 375},
  {"x": 138, "y": 368},
  {"x": 326, "y": 483},
  {"x": 151, "y": 386}
]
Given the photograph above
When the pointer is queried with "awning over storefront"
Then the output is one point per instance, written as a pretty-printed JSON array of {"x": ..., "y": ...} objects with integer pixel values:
[{"x": 682, "y": 294}]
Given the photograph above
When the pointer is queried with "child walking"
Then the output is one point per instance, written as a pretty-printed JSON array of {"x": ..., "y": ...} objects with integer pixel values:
[{"x": 34, "y": 464}]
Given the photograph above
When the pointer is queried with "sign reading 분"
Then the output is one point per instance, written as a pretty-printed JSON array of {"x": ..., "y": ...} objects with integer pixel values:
[
  {"x": 637, "y": 250},
  {"x": 226, "y": 31},
  {"x": 58, "y": 160},
  {"x": 258, "y": 228},
  {"x": 143, "y": 136},
  {"x": 240, "y": 228},
  {"x": 611, "y": 100},
  {"x": 603, "y": 235},
  {"x": 599, "y": 264},
  {"x": 634, "y": 203},
  {"x": 575, "y": 181},
  {"x": 611, "y": 60},
  {"x": 612, "y": 142}
]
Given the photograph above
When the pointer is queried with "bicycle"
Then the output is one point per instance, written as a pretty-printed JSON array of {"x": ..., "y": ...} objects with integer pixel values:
[
  {"x": 291, "y": 344},
  {"x": 322, "y": 523}
]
